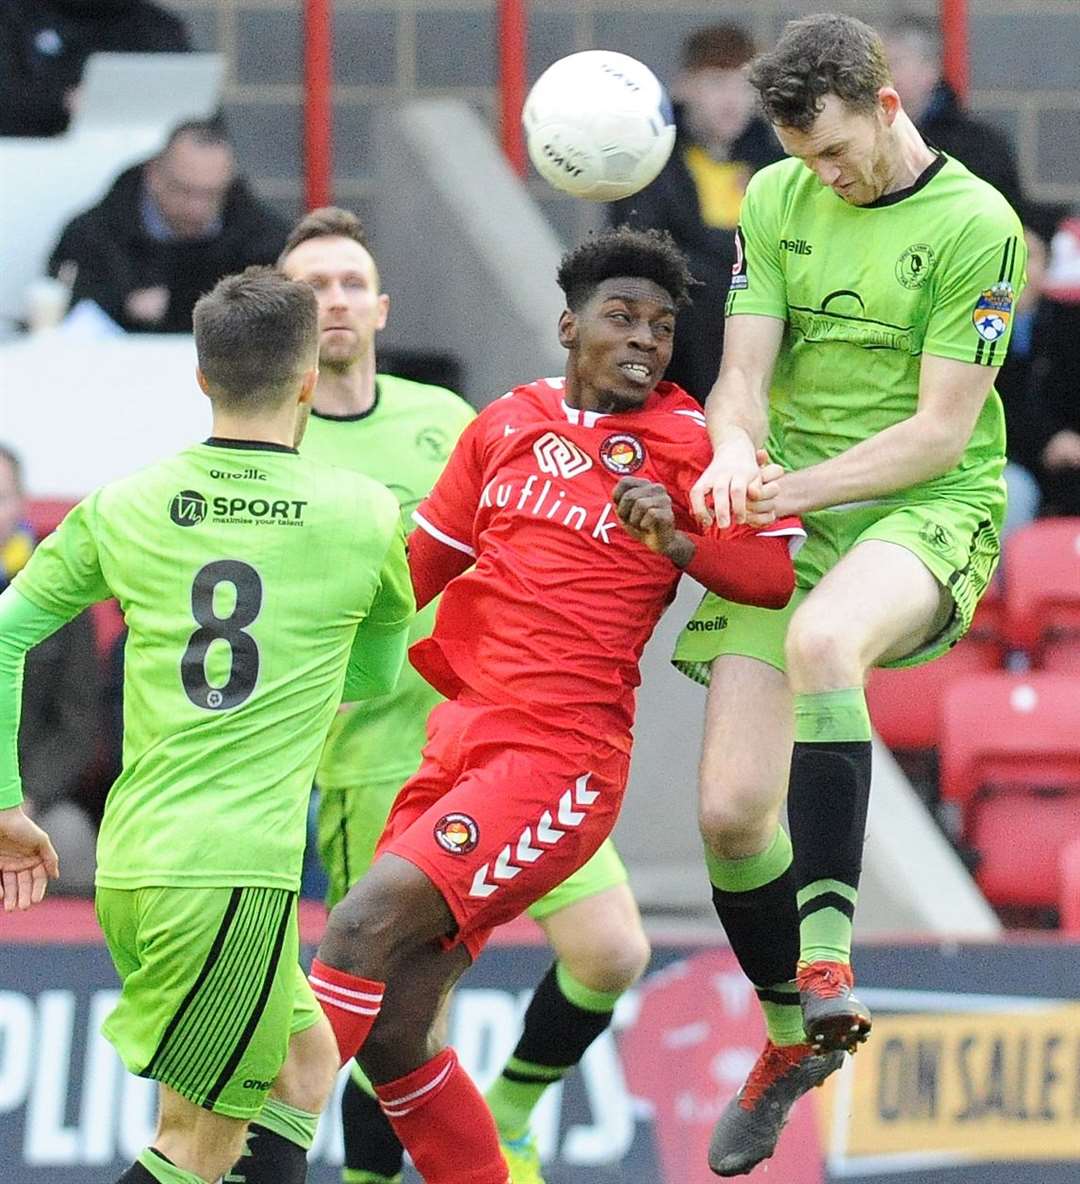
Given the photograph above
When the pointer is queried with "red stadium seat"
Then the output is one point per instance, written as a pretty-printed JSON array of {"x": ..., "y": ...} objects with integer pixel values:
[
  {"x": 44, "y": 514},
  {"x": 1009, "y": 731},
  {"x": 1042, "y": 587},
  {"x": 1069, "y": 903},
  {"x": 905, "y": 704},
  {"x": 1021, "y": 838}
]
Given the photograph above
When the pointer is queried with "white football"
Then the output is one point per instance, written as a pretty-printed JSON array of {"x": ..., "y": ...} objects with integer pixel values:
[{"x": 598, "y": 124}]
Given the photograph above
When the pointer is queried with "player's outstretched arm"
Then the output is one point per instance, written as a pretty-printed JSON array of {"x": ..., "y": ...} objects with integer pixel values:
[
  {"x": 737, "y": 412},
  {"x": 27, "y": 860}
]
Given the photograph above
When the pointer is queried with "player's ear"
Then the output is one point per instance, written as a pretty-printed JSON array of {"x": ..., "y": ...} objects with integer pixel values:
[
  {"x": 568, "y": 329},
  {"x": 200, "y": 378},
  {"x": 889, "y": 104},
  {"x": 383, "y": 313},
  {"x": 308, "y": 384}
]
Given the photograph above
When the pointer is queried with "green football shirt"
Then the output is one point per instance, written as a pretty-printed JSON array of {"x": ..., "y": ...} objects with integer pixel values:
[
  {"x": 245, "y": 572},
  {"x": 404, "y": 441},
  {"x": 865, "y": 292}
]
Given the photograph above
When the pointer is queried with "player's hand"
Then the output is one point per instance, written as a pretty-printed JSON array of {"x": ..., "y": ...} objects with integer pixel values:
[
  {"x": 1062, "y": 450},
  {"x": 763, "y": 491},
  {"x": 147, "y": 305},
  {"x": 646, "y": 512},
  {"x": 720, "y": 491},
  {"x": 27, "y": 860}
]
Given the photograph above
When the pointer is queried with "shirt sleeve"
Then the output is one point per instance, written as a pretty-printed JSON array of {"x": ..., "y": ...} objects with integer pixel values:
[
  {"x": 448, "y": 513},
  {"x": 375, "y": 663},
  {"x": 975, "y": 294},
  {"x": 758, "y": 285},
  {"x": 394, "y": 606},
  {"x": 64, "y": 574},
  {"x": 22, "y": 625}
]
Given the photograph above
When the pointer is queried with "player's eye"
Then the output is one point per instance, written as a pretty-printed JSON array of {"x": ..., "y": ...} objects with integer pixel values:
[
  {"x": 664, "y": 329},
  {"x": 622, "y": 317}
]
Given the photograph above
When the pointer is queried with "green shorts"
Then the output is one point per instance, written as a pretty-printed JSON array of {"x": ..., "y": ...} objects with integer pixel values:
[
  {"x": 211, "y": 992},
  {"x": 957, "y": 542},
  {"x": 350, "y": 822}
]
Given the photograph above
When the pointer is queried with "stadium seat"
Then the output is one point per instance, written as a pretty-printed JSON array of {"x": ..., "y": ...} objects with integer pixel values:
[
  {"x": 905, "y": 704},
  {"x": 1009, "y": 732},
  {"x": 1021, "y": 839},
  {"x": 1069, "y": 904},
  {"x": 1042, "y": 592}
]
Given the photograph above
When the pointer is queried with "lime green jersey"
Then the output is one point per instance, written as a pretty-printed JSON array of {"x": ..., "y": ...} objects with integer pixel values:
[
  {"x": 404, "y": 441},
  {"x": 865, "y": 291},
  {"x": 245, "y": 573}
]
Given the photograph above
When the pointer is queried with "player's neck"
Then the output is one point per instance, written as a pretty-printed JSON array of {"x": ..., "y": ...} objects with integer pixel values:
[
  {"x": 279, "y": 429},
  {"x": 912, "y": 155},
  {"x": 346, "y": 392}
]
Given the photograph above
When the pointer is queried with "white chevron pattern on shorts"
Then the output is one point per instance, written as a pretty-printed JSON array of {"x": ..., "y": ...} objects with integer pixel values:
[{"x": 488, "y": 878}]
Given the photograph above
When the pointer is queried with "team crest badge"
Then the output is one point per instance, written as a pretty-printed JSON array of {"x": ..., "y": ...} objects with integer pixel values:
[
  {"x": 457, "y": 833},
  {"x": 622, "y": 454},
  {"x": 993, "y": 311},
  {"x": 915, "y": 265}
]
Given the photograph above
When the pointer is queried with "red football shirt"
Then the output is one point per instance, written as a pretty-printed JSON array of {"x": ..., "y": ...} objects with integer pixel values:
[{"x": 561, "y": 600}]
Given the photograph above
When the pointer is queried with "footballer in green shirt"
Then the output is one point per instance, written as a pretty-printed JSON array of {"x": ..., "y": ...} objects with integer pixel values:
[
  {"x": 259, "y": 586},
  {"x": 402, "y": 433},
  {"x": 870, "y": 308}
]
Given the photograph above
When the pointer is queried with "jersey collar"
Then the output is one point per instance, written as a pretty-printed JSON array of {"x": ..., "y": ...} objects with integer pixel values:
[
  {"x": 248, "y": 445},
  {"x": 351, "y": 418},
  {"x": 920, "y": 182}
]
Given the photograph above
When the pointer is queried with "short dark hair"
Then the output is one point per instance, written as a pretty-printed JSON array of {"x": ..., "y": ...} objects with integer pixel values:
[
  {"x": 255, "y": 335},
  {"x": 717, "y": 47},
  {"x": 326, "y": 222},
  {"x": 202, "y": 131},
  {"x": 624, "y": 251},
  {"x": 824, "y": 54}
]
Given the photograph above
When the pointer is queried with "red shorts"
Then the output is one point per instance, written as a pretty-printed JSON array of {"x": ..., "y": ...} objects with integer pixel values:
[{"x": 502, "y": 810}]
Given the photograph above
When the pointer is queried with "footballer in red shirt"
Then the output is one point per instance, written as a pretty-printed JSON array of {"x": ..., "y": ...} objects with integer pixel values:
[{"x": 559, "y": 531}]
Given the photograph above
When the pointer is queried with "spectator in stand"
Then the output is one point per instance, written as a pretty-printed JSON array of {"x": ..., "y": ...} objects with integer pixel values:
[
  {"x": 44, "y": 45},
  {"x": 167, "y": 231},
  {"x": 721, "y": 142},
  {"x": 1060, "y": 386},
  {"x": 914, "y": 49},
  {"x": 59, "y": 724}
]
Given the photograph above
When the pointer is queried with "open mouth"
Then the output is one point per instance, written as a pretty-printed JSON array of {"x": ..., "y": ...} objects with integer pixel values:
[{"x": 637, "y": 371}]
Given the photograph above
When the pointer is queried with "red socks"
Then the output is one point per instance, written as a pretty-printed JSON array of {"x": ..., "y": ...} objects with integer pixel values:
[
  {"x": 350, "y": 1003},
  {"x": 444, "y": 1123}
]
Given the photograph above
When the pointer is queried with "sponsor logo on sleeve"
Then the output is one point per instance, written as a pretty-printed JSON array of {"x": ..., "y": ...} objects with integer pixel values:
[
  {"x": 993, "y": 311},
  {"x": 739, "y": 278},
  {"x": 622, "y": 453},
  {"x": 457, "y": 833},
  {"x": 915, "y": 265}
]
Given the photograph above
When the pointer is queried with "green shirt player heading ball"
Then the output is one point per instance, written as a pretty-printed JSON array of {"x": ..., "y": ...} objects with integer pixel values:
[
  {"x": 259, "y": 586},
  {"x": 870, "y": 308}
]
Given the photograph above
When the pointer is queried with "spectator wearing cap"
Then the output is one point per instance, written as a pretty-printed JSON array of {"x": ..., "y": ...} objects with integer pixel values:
[
  {"x": 721, "y": 142},
  {"x": 166, "y": 232}
]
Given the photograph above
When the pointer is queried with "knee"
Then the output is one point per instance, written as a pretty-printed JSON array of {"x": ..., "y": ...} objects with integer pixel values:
[
  {"x": 613, "y": 963},
  {"x": 307, "y": 1078},
  {"x": 737, "y": 815},
  {"x": 820, "y": 653}
]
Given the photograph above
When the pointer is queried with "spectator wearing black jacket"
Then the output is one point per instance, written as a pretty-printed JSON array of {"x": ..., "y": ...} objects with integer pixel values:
[
  {"x": 44, "y": 45},
  {"x": 167, "y": 231},
  {"x": 721, "y": 143}
]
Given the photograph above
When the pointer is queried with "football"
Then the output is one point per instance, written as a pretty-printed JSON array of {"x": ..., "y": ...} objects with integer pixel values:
[{"x": 598, "y": 125}]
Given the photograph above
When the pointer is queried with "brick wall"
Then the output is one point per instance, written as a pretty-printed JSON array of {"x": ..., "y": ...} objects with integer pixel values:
[{"x": 1025, "y": 59}]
